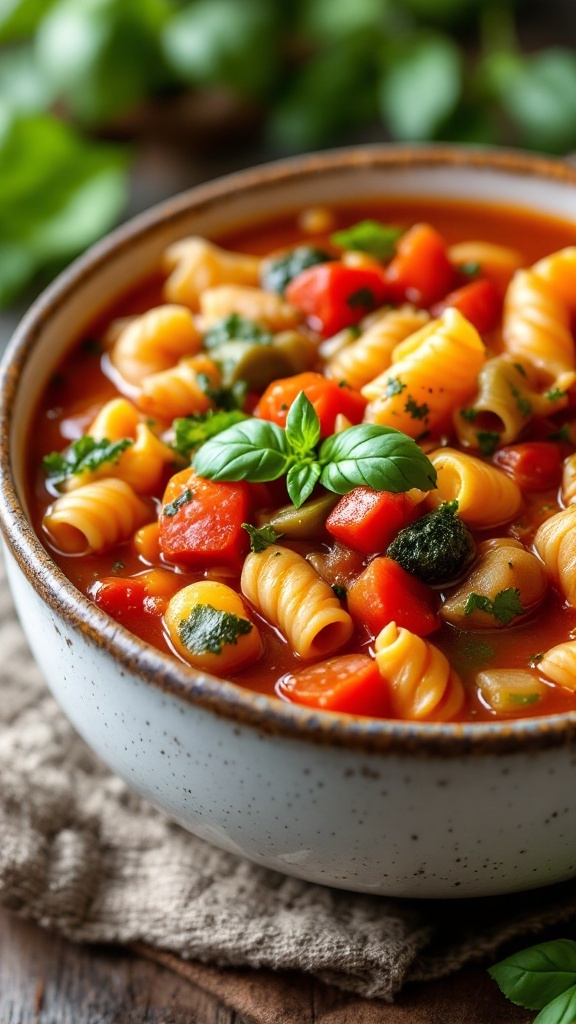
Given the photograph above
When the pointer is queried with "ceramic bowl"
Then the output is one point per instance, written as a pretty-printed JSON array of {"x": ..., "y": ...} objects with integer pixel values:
[{"x": 398, "y": 808}]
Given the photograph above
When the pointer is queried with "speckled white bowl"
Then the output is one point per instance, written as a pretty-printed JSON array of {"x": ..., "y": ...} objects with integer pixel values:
[{"x": 420, "y": 810}]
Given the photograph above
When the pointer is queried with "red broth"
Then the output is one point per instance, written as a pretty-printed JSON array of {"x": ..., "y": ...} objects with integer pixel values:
[{"x": 81, "y": 386}]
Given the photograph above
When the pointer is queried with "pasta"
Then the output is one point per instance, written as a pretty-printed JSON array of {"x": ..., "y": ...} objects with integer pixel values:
[
  {"x": 196, "y": 264},
  {"x": 209, "y": 627},
  {"x": 555, "y": 542},
  {"x": 498, "y": 263},
  {"x": 95, "y": 517},
  {"x": 284, "y": 588},
  {"x": 559, "y": 664},
  {"x": 371, "y": 354},
  {"x": 418, "y": 391},
  {"x": 180, "y": 390},
  {"x": 154, "y": 341},
  {"x": 423, "y": 686},
  {"x": 486, "y": 496},
  {"x": 253, "y": 303},
  {"x": 569, "y": 480}
]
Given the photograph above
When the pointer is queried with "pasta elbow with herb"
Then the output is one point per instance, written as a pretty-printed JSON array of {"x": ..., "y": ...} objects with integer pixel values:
[
  {"x": 290, "y": 594},
  {"x": 253, "y": 303},
  {"x": 180, "y": 391},
  {"x": 486, "y": 496},
  {"x": 155, "y": 341},
  {"x": 555, "y": 542},
  {"x": 423, "y": 686},
  {"x": 195, "y": 264},
  {"x": 210, "y": 628},
  {"x": 95, "y": 517}
]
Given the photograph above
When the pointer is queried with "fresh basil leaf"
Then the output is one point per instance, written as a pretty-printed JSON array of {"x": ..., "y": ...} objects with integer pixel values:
[
  {"x": 261, "y": 537},
  {"x": 301, "y": 481},
  {"x": 302, "y": 426},
  {"x": 421, "y": 86},
  {"x": 192, "y": 431},
  {"x": 19, "y": 18},
  {"x": 254, "y": 450},
  {"x": 533, "y": 977},
  {"x": 236, "y": 328},
  {"x": 562, "y": 1009},
  {"x": 379, "y": 457},
  {"x": 369, "y": 236}
]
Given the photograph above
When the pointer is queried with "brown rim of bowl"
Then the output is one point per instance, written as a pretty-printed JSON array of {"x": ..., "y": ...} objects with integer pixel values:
[{"x": 266, "y": 714}]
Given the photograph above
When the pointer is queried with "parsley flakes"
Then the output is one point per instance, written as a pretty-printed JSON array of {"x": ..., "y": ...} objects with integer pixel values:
[
  {"x": 208, "y": 630},
  {"x": 505, "y": 607},
  {"x": 83, "y": 456},
  {"x": 174, "y": 506},
  {"x": 261, "y": 538}
]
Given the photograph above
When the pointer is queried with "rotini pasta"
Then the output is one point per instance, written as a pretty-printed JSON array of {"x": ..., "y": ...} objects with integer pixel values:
[
  {"x": 196, "y": 264},
  {"x": 289, "y": 593},
  {"x": 433, "y": 371},
  {"x": 155, "y": 341},
  {"x": 555, "y": 542},
  {"x": 95, "y": 517},
  {"x": 559, "y": 664},
  {"x": 181, "y": 390},
  {"x": 486, "y": 496},
  {"x": 366, "y": 358},
  {"x": 422, "y": 683}
]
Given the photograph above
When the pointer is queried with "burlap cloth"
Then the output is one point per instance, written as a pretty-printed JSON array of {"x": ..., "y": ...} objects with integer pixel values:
[{"x": 81, "y": 854}]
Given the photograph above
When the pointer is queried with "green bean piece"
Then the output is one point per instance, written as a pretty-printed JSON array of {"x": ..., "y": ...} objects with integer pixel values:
[
  {"x": 257, "y": 365},
  {"x": 306, "y": 522}
]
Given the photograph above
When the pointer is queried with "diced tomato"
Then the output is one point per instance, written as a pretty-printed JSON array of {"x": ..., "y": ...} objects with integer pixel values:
[
  {"x": 327, "y": 396},
  {"x": 201, "y": 521},
  {"x": 421, "y": 272},
  {"x": 386, "y": 593},
  {"x": 533, "y": 465},
  {"x": 478, "y": 301},
  {"x": 333, "y": 295},
  {"x": 351, "y": 684},
  {"x": 367, "y": 520},
  {"x": 124, "y": 597}
]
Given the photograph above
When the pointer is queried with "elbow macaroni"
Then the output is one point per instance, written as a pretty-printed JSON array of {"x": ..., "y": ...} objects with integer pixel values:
[
  {"x": 95, "y": 517},
  {"x": 486, "y": 496},
  {"x": 196, "y": 264},
  {"x": 155, "y": 341},
  {"x": 366, "y": 358}
]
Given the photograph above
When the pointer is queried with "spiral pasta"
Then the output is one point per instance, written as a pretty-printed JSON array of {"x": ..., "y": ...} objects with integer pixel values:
[
  {"x": 196, "y": 264},
  {"x": 559, "y": 664},
  {"x": 290, "y": 594},
  {"x": 433, "y": 370},
  {"x": 253, "y": 303},
  {"x": 154, "y": 341},
  {"x": 555, "y": 542},
  {"x": 179, "y": 391},
  {"x": 506, "y": 401},
  {"x": 486, "y": 496},
  {"x": 371, "y": 354},
  {"x": 422, "y": 683},
  {"x": 95, "y": 517},
  {"x": 538, "y": 310}
]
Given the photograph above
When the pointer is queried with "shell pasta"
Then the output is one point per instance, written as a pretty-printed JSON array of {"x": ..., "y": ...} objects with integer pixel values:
[{"x": 334, "y": 464}]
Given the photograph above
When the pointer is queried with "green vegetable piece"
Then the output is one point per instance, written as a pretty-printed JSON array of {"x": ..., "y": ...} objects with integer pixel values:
[
  {"x": 236, "y": 328},
  {"x": 438, "y": 548},
  {"x": 278, "y": 271},
  {"x": 470, "y": 269},
  {"x": 306, "y": 522},
  {"x": 536, "y": 977},
  {"x": 245, "y": 361},
  {"x": 208, "y": 630},
  {"x": 488, "y": 441},
  {"x": 228, "y": 398},
  {"x": 83, "y": 456},
  {"x": 173, "y": 506},
  {"x": 505, "y": 607},
  {"x": 192, "y": 431},
  {"x": 261, "y": 537},
  {"x": 370, "y": 236}
]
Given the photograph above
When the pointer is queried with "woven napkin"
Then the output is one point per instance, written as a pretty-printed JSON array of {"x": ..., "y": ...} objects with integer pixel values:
[{"x": 81, "y": 854}]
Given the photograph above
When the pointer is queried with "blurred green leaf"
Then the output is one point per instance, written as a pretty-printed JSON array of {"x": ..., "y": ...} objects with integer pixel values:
[
  {"x": 20, "y": 18},
  {"x": 421, "y": 86},
  {"x": 22, "y": 86},
  {"x": 538, "y": 93},
  {"x": 102, "y": 57},
  {"x": 328, "y": 19},
  {"x": 59, "y": 194},
  {"x": 225, "y": 42}
]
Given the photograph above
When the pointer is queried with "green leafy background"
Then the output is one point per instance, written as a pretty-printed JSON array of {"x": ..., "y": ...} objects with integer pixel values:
[{"x": 311, "y": 73}]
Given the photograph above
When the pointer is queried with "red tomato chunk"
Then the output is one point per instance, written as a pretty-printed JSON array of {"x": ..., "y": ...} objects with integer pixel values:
[
  {"x": 351, "y": 684},
  {"x": 478, "y": 301},
  {"x": 534, "y": 465},
  {"x": 327, "y": 397},
  {"x": 201, "y": 521},
  {"x": 334, "y": 296},
  {"x": 386, "y": 593},
  {"x": 420, "y": 272},
  {"x": 367, "y": 520}
]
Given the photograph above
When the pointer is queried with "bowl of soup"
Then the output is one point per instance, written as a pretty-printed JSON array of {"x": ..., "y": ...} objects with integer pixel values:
[{"x": 289, "y": 514}]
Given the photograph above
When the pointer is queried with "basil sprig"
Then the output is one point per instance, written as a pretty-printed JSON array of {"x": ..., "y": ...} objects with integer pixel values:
[
  {"x": 258, "y": 451},
  {"x": 543, "y": 978}
]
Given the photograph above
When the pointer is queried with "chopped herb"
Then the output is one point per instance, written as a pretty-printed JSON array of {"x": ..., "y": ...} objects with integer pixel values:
[
  {"x": 562, "y": 434},
  {"x": 207, "y": 630},
  {"x": 523, "y": 698},
  {"x": 523, "y": 404},
  {"x": 261, "y": 537},
  {"x": 369, "y": 236},
  {"x": 520, "y": 368},
  {"x": 278, "y": 271},
  {"x": 505, "y": 607},
  {"x": 173, "y": 506},
  {"x": 150, "y": 422},
  {"x": 118, "y": 566},
  {"x": 417, "y": 412},
  {"x": 354, "y": 331},
  {"x": 363, "y": 298},
  {"x": 229, "y": 399},
  {"x": 84, "y": 455},
  {"x": 394, "y": 386},
  {"x": 191, "y": 431},
  {"x": 469, "y": 414},
  {"x": 339, "y": 591},
  {"x": 343, "y": 384},
  {"x": 488, "y": 441},
  {"x": 470, "y": 269},
  {"x": 236, "y": 328},
  {"x": 555, "y": 394}
]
